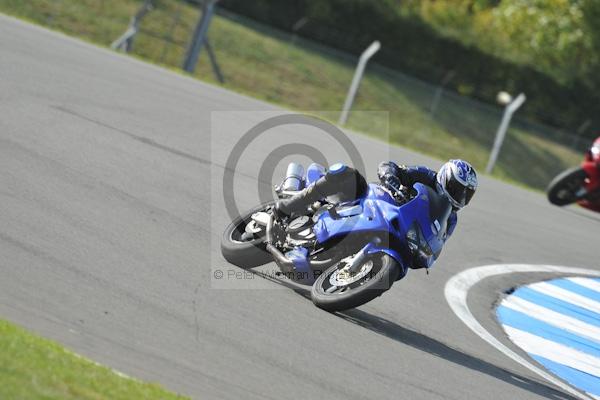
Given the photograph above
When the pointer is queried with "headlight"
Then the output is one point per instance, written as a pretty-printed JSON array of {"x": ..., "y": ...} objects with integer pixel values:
[
  {"x": 412, "y": 237},
  {"x": 416, "y": 241}
]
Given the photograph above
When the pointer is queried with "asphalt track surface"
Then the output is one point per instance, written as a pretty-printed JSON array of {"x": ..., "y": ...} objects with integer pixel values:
[{"x": 110, "y": 218}]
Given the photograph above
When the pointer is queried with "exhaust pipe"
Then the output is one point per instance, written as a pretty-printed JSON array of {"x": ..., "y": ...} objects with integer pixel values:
[{"x": 285, "y": 264}]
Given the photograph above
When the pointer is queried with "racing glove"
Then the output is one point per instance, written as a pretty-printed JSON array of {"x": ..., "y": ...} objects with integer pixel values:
[{"x": 389, "y": 175}]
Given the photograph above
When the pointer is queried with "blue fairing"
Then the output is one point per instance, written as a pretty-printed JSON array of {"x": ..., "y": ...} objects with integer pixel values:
[{"x": 379, "y": 212}]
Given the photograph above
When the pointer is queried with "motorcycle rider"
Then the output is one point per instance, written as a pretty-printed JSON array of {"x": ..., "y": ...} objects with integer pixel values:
[{"x": 456, "y": 180}]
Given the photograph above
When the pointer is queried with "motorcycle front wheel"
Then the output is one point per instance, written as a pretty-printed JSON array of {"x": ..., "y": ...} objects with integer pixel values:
[
  {"x": 242, "y": 249},
  {"x": 568, "y": 187},
  {"x": 335, "y": 290}
]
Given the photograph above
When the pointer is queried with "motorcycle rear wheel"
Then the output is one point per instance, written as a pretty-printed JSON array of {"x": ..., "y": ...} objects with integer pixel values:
[
  {"x": 563, "y": 189},
  {"x": 380, "y": 277},
  {"x": 241, "y": 252}
]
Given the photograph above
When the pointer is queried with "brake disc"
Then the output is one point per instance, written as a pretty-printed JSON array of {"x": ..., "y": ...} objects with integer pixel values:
[{"x": 342, "y": 277}]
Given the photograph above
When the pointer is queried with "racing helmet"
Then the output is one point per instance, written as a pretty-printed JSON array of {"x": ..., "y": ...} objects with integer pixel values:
[{"x": 458, "y": 181}]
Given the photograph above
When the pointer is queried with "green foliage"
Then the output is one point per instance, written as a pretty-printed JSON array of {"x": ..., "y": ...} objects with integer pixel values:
[
  {"x": 549, "y": 35},
  {"x": 544, "y": 48},
  {"x": 591, "y": 19},
  {"x": 34, "y": 368}
]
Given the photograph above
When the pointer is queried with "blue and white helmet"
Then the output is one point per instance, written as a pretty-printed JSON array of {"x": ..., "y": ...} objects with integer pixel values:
[{"x": 458, "y": 180}]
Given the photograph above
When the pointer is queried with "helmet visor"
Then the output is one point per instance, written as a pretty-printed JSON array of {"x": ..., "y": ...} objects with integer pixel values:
[{"x": 460, "y": 193}]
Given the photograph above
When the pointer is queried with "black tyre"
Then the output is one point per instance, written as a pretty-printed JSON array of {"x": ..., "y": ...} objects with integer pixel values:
[
  {"x": 567, "y": 187},
  {"x": 243, "y": 251},
  {"x": 379, "y": 271}
]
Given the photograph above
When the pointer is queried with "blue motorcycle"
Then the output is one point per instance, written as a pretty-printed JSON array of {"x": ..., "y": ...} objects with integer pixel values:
[{"x": 350, "y": 252}]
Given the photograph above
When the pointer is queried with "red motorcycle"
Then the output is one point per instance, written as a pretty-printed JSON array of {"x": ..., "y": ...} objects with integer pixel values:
[{"x": 581, "y": 184}]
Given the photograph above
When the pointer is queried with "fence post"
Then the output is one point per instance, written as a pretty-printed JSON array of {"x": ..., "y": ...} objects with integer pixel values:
[
  {"x": 296, "y": 27},
  {"x": 509, "y": 110},
  {"x": 213, "y": 61},
  {"x": 439, "y": 91},
  {"x": 199, "y": 37},
  {"x": 125, "y": 41},
  {"x": 360, "y": 69}
]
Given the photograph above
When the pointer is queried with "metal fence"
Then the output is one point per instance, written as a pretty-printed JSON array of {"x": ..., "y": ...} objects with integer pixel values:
[{"x": 284, "y": 68}]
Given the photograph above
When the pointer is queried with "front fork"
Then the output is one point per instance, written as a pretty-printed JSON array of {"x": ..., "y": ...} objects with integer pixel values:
[{"x": 355, "y": 263}]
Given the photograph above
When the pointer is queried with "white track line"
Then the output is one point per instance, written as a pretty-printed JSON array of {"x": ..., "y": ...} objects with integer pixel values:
[
  {"x": 456, "y": 294},
  {"x": 566, "y": 295},
  {"x": 114, "y": 371},
  {"x": 553, "y": 318}
]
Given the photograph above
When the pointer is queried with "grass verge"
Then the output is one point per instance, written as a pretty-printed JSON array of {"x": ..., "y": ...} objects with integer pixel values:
[
  {"x": 302, "y": 75},
  {"x": 35, "y": 368}
]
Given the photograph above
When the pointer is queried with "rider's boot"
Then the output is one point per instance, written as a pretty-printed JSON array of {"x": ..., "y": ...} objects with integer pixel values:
[{"x": 340, "y": 179}]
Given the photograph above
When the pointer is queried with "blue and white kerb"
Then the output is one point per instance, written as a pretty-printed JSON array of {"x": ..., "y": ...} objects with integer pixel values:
[{"x": 558, "y": 324}]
